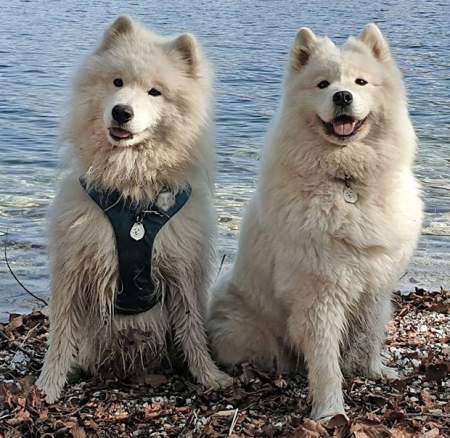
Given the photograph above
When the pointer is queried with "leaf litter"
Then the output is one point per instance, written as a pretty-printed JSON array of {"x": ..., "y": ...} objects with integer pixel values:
[{"x": 258, "y": 404}]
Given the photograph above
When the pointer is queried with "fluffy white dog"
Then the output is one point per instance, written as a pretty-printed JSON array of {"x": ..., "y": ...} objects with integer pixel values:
[
  {"x": 333, "y": 223},
  {"x": 131, "y": 242}
]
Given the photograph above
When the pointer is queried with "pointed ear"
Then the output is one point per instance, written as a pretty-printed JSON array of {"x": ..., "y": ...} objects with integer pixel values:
[
  {"x": 121, "y": 26},
  {"x": 302, "y": 48},
  {"x": 374, "y": 39},
  {"x": 186, "y": 47}
]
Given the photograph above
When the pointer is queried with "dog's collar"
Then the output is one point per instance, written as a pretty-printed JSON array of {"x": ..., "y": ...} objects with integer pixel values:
[{"x": 136, "y": 227}]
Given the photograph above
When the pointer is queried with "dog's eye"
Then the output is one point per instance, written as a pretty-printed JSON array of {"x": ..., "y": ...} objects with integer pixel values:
[
  {"x": 154, "y": 92},
  {"x": 323, "y": 84},
  {"x": 360, "y": 81},
  {"x": 118, "y": 82}
]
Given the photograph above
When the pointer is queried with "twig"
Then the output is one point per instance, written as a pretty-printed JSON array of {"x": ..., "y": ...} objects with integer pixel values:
[
  {"x": 426, "y": 414},
  {"x": 15, "y": 277},
  {"x": 191, "y": 420},
  {"x": 20, "y": 347},
  {"x": 221, "y": 265},
  {"x": 233, "y": 422}
]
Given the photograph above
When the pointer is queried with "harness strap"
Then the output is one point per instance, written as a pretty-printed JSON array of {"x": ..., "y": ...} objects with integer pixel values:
[{"x": 137, "y": 292}]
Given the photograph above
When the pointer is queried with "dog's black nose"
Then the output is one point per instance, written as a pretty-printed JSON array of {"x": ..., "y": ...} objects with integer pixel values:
[
  {"x": 342, "y": 98},
  {"x": 122, "y": 113}
]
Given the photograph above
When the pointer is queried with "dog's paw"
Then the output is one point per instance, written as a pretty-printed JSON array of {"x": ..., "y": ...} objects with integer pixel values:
[
  {"x": 49, "y": 387},
  {"x": 335, "y": 420},
  {"x": 216, "y": 380},
  {"x": 389, "y": 373},
  {"x": 324, "y": 414},
  {"x": 383, "y": 372}
]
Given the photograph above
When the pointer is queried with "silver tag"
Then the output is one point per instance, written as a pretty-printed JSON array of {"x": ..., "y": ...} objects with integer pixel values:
[
  {"x": 350, "y": 195},
  {"x": 165, "y": 201},
  {"x": 137, "y": 231}
]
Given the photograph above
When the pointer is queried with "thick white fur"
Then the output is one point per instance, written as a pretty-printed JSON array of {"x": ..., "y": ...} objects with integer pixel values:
[
  {"x": 314, "y": 274},
  {"x": 173, "y": 146}
]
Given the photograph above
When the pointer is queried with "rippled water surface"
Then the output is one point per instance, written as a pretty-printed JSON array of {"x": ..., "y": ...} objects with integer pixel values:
[{"x": 42, "y": 42}]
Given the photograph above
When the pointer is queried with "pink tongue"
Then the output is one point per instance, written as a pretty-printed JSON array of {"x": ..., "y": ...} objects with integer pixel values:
[
  {"x": 120, "y": 133},
  {"x": 343, "y": 128}
]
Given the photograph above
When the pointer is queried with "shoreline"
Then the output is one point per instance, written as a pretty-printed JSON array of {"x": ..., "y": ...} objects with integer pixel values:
[
  {"x": 259, "y": 404},
  {"x": 32, "y": 304}
]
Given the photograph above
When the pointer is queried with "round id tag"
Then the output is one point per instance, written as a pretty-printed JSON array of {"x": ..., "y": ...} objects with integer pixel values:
[
  {"x": 350, "y": 195},
  {"x": 137, "y": 231}
]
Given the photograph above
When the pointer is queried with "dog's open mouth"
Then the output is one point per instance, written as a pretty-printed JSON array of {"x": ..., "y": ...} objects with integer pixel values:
[
  {"x": 120, "y": 134},
  {"x": 343, "y": 126}
]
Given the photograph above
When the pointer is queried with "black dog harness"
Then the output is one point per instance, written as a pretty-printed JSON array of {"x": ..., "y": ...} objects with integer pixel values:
[{"x": 135, "y": 228}]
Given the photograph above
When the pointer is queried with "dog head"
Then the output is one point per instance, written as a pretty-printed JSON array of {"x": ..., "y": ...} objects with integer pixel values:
[
  {"x": 343, "y": 94},
  {"x": 140, "y": 91}
]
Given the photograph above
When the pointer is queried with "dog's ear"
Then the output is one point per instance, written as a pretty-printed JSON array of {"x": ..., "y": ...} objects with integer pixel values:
[
  {"x": 121, "y": 26},
  {"x": 374, "y": 39},
  {"x": 302, "y": 48},
  {"x": 186, "y": 48}
]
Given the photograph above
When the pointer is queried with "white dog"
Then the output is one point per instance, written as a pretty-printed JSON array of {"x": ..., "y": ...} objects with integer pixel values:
[
  {"x": 131, "y": 242},
  {"x": 333, "y": 223}
]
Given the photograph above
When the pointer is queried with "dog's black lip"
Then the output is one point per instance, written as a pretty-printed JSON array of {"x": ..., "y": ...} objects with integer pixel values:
[{"x": 329, "y": 125}]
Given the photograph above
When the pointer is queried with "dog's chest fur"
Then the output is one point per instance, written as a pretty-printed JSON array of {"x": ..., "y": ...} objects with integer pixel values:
[
  {"x": 320, "y": 210},
  {"x": 319, "y": 233}
]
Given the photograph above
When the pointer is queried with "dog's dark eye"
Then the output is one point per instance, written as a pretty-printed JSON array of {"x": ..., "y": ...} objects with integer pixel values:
[
  {"x": 118, "y": 82},
  {"x": 154, "y": 92},
  {"x": 323, "y": 84},
  {"x": 360, "y": 81}
]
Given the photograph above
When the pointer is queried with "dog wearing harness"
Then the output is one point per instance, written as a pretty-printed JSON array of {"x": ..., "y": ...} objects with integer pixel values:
[{"x": 131, "y": 242}]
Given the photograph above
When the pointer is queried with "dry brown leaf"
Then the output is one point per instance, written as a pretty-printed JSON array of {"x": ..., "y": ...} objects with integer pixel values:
[
  {"x": 373, "y": 417},
  {"x": 401, "y": 433},
  {"x": 337, "y": 421},
  {"x": 361, "y": 430},
  {"x": 15, "y": 323},
  {"x": 78, "y": 432},
  {"x": 91, "y": 424},
  {"x": 302, "y": 432},
  {"x": 23, "y": 416},
  {"x": 21, "y": 401},
  {"x": 440, "y": 308},
  {"x": 310, "y": 429},
  {"x": 152, "y": 410},
  {"x": 43, "y": 415}
]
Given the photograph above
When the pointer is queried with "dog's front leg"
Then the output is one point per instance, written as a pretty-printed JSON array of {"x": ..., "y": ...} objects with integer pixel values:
[
  {"x": 316, "y": 331},
  {"x": 190, "y": 334},
  {"x": 361, "y": 352},
  {"x": 61, "y": 353}
]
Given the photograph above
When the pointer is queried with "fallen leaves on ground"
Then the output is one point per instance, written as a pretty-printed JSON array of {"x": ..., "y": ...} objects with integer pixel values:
[{"x": 258, "y": 405}]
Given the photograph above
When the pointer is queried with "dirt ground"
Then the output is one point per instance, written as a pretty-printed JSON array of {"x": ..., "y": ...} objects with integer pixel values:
[{"x": 258, "y": 405}]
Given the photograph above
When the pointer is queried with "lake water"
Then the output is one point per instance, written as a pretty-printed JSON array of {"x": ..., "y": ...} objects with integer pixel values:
[{"x": 41, "y": 43}]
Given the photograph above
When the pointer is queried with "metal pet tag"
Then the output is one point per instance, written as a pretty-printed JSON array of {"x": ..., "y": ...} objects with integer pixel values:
[
  {"x": 350, "y": 196},
  {"x": 165, "y": 200},
  {"x": 137, "y": 231}
]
